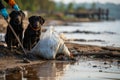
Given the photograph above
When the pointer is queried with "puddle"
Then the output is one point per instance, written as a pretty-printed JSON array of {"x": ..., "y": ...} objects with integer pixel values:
[{"x": 84, "y": 69}]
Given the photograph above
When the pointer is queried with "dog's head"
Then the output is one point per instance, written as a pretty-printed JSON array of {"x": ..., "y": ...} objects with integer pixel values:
[
  {"x": 36, "y": 21},
  {"x": 17, "y": 17}
]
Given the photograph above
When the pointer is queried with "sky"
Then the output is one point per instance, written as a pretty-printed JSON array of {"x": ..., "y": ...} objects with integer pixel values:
[{"x": 89, "y": 1}]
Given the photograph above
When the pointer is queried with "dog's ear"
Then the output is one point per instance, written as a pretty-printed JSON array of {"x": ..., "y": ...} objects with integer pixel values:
[
  {"x": 42, "y": 20},
  {"x": 12, "y": 14},
  {"x": 22, "y": 14},
  {"x": 31, "y": 19}
]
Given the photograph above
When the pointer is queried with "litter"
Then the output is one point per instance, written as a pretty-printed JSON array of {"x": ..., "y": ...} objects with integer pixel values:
[{"x": 49, "y": 45}]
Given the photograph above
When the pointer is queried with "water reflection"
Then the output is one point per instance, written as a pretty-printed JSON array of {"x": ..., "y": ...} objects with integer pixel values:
[
  {"x": 50, "y": 70},
  {"x": 47, "y": 71},
  {"x": 14, "y": 76},
  {"x": 84, "y": 69}
]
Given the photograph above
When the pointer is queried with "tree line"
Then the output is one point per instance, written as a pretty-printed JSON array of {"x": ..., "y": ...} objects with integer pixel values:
[
  {"x": 35, "y": 5},
  {"x": 46, "y": 5}
]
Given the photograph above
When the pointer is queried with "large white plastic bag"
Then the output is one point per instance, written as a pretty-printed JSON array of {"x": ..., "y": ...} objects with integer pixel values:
[{"x": 49, "y": 45}]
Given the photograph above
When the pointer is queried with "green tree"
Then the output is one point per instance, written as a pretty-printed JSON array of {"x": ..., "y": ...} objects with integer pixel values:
[
  {"x": 60, "y": 7},
  {"x": 34, "y": 5},
  {"x": 70, "y": 7},
  {"x": 80, "y": 8},
  {"x": 93, "y": 6}
]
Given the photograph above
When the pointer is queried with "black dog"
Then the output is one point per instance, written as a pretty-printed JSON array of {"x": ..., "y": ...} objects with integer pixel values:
[
  {"x": 16, "y": 22},
  {"x": 33, "y": 32}
]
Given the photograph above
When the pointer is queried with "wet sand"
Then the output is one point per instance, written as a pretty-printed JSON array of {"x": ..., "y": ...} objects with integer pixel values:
[
  {"x": 11, "y": 59},
  {"x": 92, "y": 62}
]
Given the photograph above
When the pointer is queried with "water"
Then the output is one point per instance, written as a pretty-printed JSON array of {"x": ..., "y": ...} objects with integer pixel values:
[
  {"x": 84, "y": 69},
  {"x": 109, "y": 32}
]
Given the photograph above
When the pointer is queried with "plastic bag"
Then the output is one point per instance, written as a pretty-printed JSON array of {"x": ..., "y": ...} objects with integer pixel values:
[{"x": 50, "y": 45}]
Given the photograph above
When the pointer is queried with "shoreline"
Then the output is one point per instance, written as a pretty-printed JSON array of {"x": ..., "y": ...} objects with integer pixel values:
[
  {"x": 48, "y": 22},
  {"x": 12, "y": 61}
]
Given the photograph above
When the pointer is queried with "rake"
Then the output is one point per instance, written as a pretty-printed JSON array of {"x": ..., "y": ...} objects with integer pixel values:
[{"x": 16, "y": 37}]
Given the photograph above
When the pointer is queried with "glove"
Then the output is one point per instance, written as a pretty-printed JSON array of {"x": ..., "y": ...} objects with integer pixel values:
[
  {"x": 4, "y": 13},
  {"x": 16, "y": 7}
]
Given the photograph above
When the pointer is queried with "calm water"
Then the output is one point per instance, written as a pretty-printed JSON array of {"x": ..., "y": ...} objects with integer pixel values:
[
  {"x": 106, "y": 29},
  {"x": 84, "y": 69}
]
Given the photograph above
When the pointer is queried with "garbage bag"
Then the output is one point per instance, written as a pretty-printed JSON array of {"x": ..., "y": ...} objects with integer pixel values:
[{"x": 49, "y": 45}]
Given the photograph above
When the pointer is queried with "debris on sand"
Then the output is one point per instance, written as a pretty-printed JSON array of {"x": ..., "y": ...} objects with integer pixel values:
[{"x": 12, "y": 59}]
